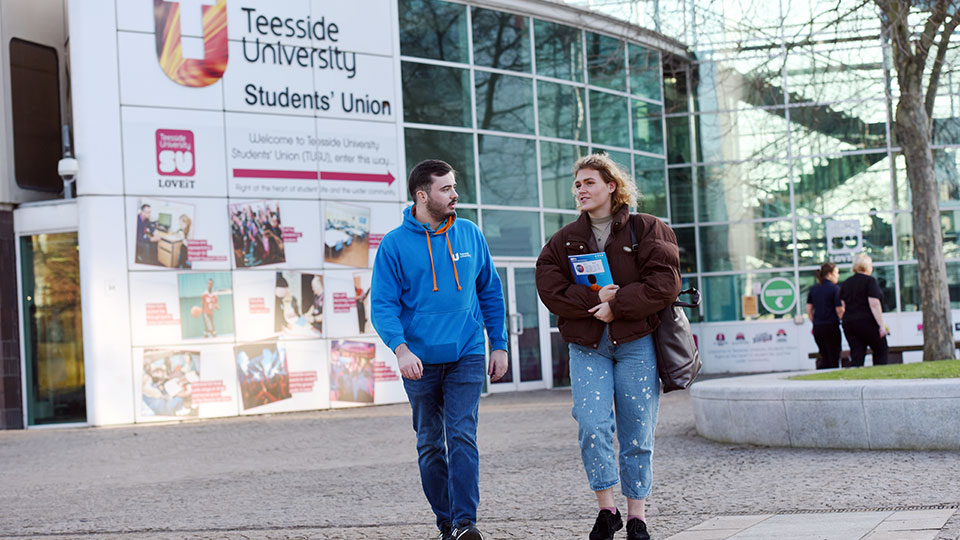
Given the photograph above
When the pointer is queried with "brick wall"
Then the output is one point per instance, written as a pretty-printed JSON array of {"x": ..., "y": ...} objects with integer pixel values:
[{"x": 11, "y": 404}]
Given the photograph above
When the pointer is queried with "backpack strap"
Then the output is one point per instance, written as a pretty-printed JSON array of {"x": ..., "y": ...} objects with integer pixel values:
[
  {"x": 633, "y": 235},
  {"x": 636, "y": 253}
]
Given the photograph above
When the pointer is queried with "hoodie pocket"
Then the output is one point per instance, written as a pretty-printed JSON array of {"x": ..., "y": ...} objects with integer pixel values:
[{"x": 438, "y": 337}]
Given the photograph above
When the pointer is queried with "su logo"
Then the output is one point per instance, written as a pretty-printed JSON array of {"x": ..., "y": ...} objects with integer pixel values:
[{"x": 191, "y": 71}]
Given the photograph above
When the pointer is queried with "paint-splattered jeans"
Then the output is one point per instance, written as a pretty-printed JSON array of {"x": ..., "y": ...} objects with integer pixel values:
[{"x": 621, "y": 377}]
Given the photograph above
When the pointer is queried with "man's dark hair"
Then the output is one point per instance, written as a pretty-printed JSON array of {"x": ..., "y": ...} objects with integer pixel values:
[
  {"x": 421, "y": 177},
  {"x": 144, "y": 206}
]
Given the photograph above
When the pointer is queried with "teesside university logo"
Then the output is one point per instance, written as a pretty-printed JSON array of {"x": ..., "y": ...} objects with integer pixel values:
[{"x": 202, "y": 71}]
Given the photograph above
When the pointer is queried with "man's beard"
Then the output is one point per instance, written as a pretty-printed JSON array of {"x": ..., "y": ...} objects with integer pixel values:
[{"x": 439, "y": 211}]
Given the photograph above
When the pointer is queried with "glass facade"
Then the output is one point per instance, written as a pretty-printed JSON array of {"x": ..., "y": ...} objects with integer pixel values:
[
  {"x": 779, "y": 133},
  {"x": 773, "y": 135},
  {"x": 512, "y": 101}
]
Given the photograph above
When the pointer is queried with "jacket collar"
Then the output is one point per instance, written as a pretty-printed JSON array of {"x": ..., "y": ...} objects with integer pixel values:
[{"x": 581, "y": 227}]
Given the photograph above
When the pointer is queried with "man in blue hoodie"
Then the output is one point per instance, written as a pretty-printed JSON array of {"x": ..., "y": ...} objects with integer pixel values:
[{"x": 434, "y": 290}]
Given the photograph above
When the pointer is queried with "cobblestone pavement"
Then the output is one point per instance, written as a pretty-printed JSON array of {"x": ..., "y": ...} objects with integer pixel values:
[{"x": 351, "y": 474}]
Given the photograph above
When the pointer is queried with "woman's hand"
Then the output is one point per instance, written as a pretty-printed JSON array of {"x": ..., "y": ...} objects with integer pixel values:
[
  {"x": 608, "y": 293},
  {"x": 602, "y": 311}
]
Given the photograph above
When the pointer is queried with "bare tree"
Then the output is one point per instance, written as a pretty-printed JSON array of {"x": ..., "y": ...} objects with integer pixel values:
[{"x": 914, "y": 128}]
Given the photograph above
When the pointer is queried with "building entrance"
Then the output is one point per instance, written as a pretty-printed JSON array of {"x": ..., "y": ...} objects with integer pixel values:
[
  {"x": 52, "y": 329},
  {"x": 528, "y": 329}
]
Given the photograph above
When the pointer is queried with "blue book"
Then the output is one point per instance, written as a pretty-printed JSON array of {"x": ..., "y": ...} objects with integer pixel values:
[{"x": 591, "y": 270}]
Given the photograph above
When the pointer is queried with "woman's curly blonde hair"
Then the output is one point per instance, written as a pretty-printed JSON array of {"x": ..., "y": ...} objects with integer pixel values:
[{"x": 626, "y": 192}]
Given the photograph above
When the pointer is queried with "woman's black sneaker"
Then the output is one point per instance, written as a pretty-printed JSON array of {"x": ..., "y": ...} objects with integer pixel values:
[
  {"x": 607, "y": 523},
  {"x": 637, "y": 530}
]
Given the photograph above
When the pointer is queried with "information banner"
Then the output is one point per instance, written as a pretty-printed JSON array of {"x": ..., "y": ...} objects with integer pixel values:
[
  {"x": 348, "y": 303},
  {"x": 170, "y": 308},
  {"x": 353, "y": 231},
  {"x": 281, "y": 376},
  {"x": 281, "y": 303},
  {"x": 173, "y": 152},
  {"x": 177, "y": 383},
  {"x": 274, "y": 233},
  {"x": 177, "y": 233},
  {"x": 261, "y": 157},
  {"x": 363, "y": 372},
  {"x": 750, "y": 347},
  {"x": 271, "y": 156}
]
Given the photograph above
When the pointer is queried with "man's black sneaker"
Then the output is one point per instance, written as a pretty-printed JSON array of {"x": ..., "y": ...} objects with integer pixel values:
[
  {"x": 637, "y": 530},
  {"x": 445, "y": 533},
  {"x": 466, "y": 532},
  {"x": 607, "y": 523}
]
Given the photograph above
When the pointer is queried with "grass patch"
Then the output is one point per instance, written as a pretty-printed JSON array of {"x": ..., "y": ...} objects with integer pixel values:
[{"x": 943, "y": 369}]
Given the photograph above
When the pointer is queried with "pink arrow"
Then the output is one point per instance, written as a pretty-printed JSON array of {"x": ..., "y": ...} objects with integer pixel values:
[{"x": 358, "y": 177}]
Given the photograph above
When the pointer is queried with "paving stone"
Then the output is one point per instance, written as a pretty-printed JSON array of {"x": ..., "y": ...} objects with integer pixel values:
[
  {"x": 917, "y": 520},
  {"x": 840, "y": 526},
  {"x": 901, "y": 535},
  {"x": 737, "y": 523},
  {"x": 938, "y": 517},
  {"x": 710, "y": 534}
]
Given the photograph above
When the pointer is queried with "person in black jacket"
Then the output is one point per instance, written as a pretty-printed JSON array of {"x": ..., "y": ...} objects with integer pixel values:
[
  {"x": 824, "y": 308},
  {"x": 862, "y": 300}
]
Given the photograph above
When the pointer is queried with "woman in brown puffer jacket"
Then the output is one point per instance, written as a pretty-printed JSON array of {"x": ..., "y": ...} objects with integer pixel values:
[{"x": 612, "y": 362}]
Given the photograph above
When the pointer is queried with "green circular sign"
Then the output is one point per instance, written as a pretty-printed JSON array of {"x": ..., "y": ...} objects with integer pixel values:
[{"x": 778, "y": 295}]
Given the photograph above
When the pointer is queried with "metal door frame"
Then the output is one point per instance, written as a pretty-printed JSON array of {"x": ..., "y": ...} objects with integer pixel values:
[
  {"x": 515, "y": 323},
  {"x": 30, "y": 219}
]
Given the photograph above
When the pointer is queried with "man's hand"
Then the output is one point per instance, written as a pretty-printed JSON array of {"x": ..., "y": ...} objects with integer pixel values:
[
  {"x": 602, "y": 311},
  {"x": 498, "y": 364},
  {"x": 410, "y": 365},
  {"x": 608, "y": 292}
]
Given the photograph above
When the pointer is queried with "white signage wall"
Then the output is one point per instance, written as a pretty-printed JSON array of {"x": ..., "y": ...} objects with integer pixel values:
[
  {"x": 755, "y": 346},
  {"x": 781, "y": 345},
  {"x": 258, "y": 161}
]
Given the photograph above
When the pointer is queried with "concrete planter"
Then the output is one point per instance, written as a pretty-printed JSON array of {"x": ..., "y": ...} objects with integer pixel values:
[{"x": 769, "y": 410}]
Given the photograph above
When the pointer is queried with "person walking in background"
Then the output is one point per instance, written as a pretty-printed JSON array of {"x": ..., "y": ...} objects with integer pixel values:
[
  {"x": 862, "y": 299},
  {"x": 430, "y": 306},
  {"x": 825, "y": 309},
  {"x": 612, "y": 359}
]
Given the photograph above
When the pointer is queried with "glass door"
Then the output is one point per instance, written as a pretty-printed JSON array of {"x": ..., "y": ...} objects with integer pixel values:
[
  {"x": 52, "y": 329},
  {"x": 528, "y": 331}
]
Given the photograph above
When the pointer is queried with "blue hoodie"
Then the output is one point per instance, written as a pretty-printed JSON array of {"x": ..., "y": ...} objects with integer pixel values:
[{"x": 435, "y": 290}]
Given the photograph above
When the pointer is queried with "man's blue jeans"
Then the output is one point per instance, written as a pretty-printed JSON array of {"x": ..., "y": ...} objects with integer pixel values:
[{"x": 445, "y": 402}]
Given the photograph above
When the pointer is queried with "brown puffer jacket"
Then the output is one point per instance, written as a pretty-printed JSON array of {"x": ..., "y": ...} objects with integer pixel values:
[{"x": 649, "y": 280}]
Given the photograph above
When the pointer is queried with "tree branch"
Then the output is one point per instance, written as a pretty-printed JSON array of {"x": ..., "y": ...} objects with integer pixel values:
[
  {"x": 930, "y": 29},
  {"x": 938, "y": 63},
  {"x": 894, "y": 23}
]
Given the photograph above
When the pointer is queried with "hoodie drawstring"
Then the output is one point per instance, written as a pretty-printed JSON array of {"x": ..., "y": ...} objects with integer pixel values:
[
  {"x": 432, "y": 269},
  {"x": 453, "y": 261}
]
